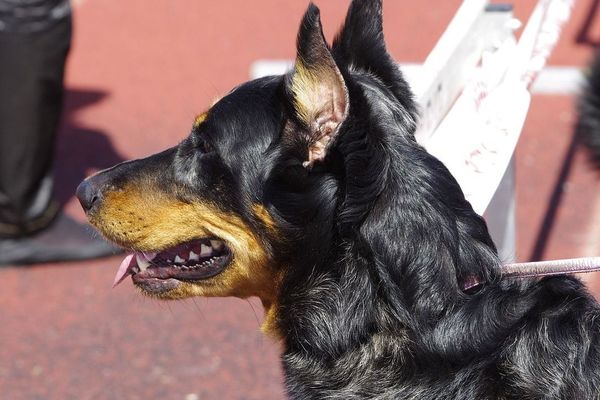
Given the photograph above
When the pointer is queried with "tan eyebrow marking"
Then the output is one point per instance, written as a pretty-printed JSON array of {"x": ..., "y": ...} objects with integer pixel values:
[{"x": 200, "y": 119}]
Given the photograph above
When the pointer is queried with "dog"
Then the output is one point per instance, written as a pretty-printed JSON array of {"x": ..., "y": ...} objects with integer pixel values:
[{"x": 309, "y": 191}]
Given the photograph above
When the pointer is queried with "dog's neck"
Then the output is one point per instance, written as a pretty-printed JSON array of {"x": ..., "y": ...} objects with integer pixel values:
[
  {"x": 397, "y": 263},
  {"x": 404, "y": 239},
  {"x": 382, "y": 290}
]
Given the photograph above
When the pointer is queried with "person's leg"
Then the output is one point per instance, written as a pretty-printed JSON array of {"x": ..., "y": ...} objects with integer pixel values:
[
  {"x": 31, "y": 96},
  {"x": 32, "y": 229}
]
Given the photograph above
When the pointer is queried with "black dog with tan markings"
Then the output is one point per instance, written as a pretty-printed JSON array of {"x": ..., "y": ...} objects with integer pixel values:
[{"x": 309, "y": 191}]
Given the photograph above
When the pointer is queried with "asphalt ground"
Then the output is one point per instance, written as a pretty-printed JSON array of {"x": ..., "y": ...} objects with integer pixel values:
[{"x": 138, "y": 74}]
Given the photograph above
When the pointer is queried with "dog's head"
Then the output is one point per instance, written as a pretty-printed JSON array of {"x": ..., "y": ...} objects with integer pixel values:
[{"x": 269, "y": 176}]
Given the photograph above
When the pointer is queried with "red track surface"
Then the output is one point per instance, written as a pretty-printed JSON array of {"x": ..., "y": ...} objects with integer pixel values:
[{"x": 138, "y": 74}]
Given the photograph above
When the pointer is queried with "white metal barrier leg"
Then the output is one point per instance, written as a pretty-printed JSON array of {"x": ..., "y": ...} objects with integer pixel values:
[{"x": 501, "y": 216}]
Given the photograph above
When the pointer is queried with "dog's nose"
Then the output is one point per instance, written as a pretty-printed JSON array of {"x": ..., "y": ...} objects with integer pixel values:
[{"x": 88, "y": 194}]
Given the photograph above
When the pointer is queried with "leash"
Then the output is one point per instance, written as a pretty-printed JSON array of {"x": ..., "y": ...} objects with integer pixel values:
[{"x": 540, "y": 269}]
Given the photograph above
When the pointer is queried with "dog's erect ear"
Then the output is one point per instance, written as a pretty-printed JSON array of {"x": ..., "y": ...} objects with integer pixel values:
[
  {"x": 317, "y": 88},
  {"x": 360, "y": 45},
  {"x": 360, "y": 42}
]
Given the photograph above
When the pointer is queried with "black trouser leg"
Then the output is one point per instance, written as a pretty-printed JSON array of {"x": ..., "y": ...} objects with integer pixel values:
[{"x": 31, "y": 95}]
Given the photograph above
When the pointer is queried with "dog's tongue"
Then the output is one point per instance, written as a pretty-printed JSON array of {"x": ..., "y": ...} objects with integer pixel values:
[{"x": 124, "y": 269}]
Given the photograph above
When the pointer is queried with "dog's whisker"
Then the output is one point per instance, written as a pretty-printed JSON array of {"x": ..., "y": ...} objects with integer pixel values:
[{"x": 254, "y": 312}]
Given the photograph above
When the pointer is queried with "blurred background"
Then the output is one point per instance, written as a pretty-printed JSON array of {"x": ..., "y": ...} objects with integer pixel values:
[{"x": 138, "y": 73}]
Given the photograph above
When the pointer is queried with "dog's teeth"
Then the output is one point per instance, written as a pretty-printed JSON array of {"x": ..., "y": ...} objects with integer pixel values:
[
  {"x": 169, "y": 260},
  {"x": 194, "y": 256},
  {"x": 179, "y": 260},
  {"x": 142, "y": 263},
  {"x": 205, "y": 250},
  {"x": 149, "y": 256},
  {"x": 216, "y": 244}
]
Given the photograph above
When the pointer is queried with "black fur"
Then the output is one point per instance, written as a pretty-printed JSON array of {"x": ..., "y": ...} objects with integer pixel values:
[{"x": 374, "y": 243}]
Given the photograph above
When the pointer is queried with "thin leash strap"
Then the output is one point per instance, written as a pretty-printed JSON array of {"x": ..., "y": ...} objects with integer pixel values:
[
  {"x": 549, "y": 268},
  {"x": 541, "y": 269}
]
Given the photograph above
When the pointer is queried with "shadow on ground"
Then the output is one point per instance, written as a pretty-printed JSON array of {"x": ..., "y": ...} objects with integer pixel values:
[{"x": 80, "y": 149}]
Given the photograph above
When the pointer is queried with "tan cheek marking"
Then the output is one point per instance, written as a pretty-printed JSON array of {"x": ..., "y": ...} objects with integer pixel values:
[
  {"x": 270, "y": 326},
  {"x": 149, "y": 221},
  {"x": 261, "y": 213}
]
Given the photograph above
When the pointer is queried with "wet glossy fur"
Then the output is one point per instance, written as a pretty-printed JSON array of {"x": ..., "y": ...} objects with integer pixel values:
[{"x": 372, "y": 243}]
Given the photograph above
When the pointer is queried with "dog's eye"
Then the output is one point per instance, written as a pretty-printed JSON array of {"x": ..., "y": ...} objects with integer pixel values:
[{"x": 204, "y": 146}]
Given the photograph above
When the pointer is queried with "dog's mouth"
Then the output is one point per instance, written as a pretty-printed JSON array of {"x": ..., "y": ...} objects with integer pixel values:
[{"x": 195, "y": 260}]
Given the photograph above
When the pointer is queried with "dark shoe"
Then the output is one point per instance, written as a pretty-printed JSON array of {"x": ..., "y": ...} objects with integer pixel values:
[{"x": 64, "y": 240}]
